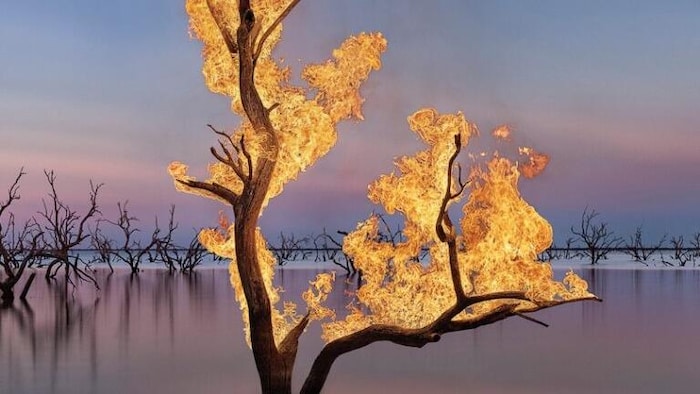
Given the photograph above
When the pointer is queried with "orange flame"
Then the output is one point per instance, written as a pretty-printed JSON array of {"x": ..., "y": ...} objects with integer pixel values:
[
  {"x": 502, "y": 132},
  {"x": 305, "y": 128},
  {"x": 501, "y": 237},
  {"x": 536, "y": 163},
  {"x": 500, "y": 233}
]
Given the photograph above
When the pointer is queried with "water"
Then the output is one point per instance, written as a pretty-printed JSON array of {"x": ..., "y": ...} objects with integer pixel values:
[{"x": 182, "y": 334}]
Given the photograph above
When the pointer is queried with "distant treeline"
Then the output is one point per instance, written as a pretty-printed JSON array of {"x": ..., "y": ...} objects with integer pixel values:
[{"x": 67, "y": 242}]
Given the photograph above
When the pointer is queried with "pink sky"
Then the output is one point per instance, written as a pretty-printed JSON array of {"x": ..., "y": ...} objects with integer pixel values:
[{"x": 113, "y": 92}]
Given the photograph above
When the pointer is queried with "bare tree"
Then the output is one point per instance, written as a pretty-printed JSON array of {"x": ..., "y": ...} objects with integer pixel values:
[
  {"x": 597, "y": 238},
  {"x": 64, "y": 230},
  {"x": 681, "y": 254},
  {"x": 283, "y": 132},
  {"x": 130, "y": 251},
  {"x": 291, "y": 248},
  {"x": 569, "y": 250},
  {"x": 165, "y": 249},
  {"x": 695, "y": 244},
  {"x": 19, "y": 247},
  {"x": 549, "y": 254},
  {"x": 331, "y": 249},
  {"x": 191, "y": 256},
  {"x": 102, "y": 245},
  {"x": 640, "y": 252}
]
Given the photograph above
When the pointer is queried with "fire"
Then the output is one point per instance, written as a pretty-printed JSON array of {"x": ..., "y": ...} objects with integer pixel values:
[
  {"x": 536, "y": 162},
  {"x": 501, "y": 235},
  {"x": 498, "y": 237},
  {"x": 305, "y": 128},
  {"x": 502, "y": 132}
]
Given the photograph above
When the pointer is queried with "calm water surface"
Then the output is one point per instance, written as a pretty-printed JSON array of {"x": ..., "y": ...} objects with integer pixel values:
[{"x": 165, "y": 333}]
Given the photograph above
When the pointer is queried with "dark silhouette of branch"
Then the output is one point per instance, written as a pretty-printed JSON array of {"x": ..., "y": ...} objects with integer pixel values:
[
  {"x": 597, "y": 238},
  {"x": 640, "y": 252},
  {"x": 64, "y": 230},
  {"x": 130, "y": 251},
  {"x": 19, "y": 247}
]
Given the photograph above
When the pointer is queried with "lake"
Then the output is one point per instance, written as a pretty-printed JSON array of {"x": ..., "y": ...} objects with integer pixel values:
[{"x": 174, "y": 333}]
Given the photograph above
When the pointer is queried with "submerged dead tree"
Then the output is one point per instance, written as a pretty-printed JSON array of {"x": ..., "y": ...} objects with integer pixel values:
[
  {"x": 19, "y": 246},
  {"x": 65, "y": 230},
  {"x": 479, "y": 272},
  {"x": 598, "y": 239}
]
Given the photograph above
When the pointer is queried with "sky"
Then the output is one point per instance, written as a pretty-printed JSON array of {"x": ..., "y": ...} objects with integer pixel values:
[{"x": 112, "y": 91}]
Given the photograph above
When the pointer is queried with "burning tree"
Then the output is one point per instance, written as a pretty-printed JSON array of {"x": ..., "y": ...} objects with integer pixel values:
[{"x": 477, "y": 274}]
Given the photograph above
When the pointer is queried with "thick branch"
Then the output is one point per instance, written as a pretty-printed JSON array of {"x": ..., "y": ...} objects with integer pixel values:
[
  {"x": 291, "y": 342},
  {"x": 213, "y": 188},
  {"x": 424, "y": 335}
]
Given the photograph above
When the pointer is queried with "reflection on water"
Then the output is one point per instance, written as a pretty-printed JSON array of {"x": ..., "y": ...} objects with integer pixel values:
[{"x": 182, "y": 334}]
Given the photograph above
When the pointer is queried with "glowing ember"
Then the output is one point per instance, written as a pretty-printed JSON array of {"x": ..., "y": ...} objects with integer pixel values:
[
  {"x": 536, "y": 162},
  {"x": 502, "y": 132}
]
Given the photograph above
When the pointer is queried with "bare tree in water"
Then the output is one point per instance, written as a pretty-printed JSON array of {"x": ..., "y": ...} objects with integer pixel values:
[
  {"x": 19, "y": 246},
  {"x": 484, "y": 275},
  {"x": 64, "y": 231},
  {"x": 597, "y": 237}
]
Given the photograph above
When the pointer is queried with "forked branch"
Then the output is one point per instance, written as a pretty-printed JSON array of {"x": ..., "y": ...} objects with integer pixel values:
[{"x": 228, "y": 158}]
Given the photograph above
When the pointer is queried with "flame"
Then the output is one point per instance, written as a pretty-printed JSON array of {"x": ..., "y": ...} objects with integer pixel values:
[
  {"x": 304, "y": 121},
  {"x": 306, "y": 128},
  {"x": 500, "y": 233},
  {"x": 502, "y": 132},
  {"x": 536, "y": 162}
]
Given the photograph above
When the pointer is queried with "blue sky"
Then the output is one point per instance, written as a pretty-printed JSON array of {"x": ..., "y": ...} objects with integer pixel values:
[{"x": 112, "y": 91}]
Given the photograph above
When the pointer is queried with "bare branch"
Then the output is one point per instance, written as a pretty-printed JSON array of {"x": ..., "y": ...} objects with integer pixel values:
[
  {"x": 229, "y": 159},
  {"x": 272, "y": 27},
  {"x": 12, "y": 192}
]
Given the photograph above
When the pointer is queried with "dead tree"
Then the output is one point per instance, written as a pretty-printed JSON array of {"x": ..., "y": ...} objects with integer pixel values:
[
  {"x": 291, "y": 248},
  {"x": 102, "y": 245},
  {"x": 681, "y": 254},
  {"x": 331, "y": 249},
  {"x": 549, "y": 254},
  {"x": 167, "y": 252},
  {"x": 597, "y": 238},
  {"x": 65, "y": 230},
  {"x": 130, "y": 251},
  {"x": 695, "y": 244},
  {"x": 283, "y": 132},
  {"x": 640, "y": 252},
  {"x": 19, "y": 247},
  {"x": 190, "y": 257}
]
